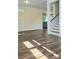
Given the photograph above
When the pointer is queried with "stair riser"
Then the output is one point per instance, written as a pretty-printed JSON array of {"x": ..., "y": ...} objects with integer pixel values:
[{"x": 56, "y": 29}]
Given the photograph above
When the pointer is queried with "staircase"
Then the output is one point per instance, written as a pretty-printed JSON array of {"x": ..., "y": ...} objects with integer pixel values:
[
  {"x": 55, "y": 29},
  {"x": 53, "y": 18},
  {"x": 55, "y": 26}
]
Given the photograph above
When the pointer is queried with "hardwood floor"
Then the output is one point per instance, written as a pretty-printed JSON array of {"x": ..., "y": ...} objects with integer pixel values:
[{"x": 40, "y": 45}]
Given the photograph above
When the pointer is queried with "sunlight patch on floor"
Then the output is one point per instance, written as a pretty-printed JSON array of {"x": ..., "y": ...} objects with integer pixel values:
[
  {"x": 28, "y": 44},
  {"x": 36, "y": 42},
  {"x": 56, "y": 55},
  {"x": 38, "y": 54},
  {"x": 50, "y": 51}
]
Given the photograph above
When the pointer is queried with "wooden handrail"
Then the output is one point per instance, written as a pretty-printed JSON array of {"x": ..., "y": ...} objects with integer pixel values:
[{"x": 55, "y": 17}]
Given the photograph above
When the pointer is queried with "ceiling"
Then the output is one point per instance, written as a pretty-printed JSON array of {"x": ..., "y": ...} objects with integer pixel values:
[{"x": 33, "y": 3}]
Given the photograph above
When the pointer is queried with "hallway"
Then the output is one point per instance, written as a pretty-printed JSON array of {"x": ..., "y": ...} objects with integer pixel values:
[{"x": 37, "y": 44}]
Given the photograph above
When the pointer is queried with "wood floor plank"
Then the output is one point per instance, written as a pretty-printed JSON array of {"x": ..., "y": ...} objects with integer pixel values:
[{"x": 49, "y": 41}]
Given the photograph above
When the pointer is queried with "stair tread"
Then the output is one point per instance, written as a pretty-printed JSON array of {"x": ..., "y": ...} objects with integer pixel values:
[
  {"x": 56, "y": 28},
  {"x": 56, "y": 25},
  {"x": 55, "y": 31}
]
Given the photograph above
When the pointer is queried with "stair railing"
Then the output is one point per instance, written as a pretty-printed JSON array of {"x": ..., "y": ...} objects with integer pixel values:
[{"x": 54, "y": 17}]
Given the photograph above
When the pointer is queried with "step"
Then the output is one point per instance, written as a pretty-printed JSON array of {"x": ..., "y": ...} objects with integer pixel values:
[
  {"x": 57, "y": 25},
  {"x": 56, "y": 28},
  {"x": 55, "y": 31}
]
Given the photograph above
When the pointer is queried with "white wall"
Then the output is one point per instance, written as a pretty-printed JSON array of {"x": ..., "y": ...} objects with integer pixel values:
[{"x": 30, "y": 19}]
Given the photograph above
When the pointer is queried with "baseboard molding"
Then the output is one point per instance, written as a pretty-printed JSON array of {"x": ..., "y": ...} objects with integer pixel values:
[{"x": 29, "y": 30}]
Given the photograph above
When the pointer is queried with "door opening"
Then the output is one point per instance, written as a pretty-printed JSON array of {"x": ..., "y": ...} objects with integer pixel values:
[{"x": 44, "y": 21}]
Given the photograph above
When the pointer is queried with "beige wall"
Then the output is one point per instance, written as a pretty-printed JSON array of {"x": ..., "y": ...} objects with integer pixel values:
[{"x": 30, "y": 19}]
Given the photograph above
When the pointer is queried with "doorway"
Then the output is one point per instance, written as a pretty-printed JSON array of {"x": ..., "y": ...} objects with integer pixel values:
[{"x": 44, "y": 21}]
